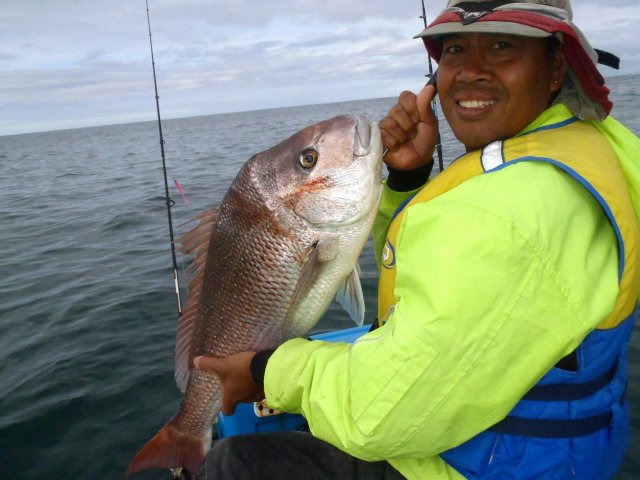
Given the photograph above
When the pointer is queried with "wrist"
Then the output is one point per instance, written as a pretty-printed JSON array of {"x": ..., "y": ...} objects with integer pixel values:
[
  {"x": 406, "y": 180},
  {"x": 259, "y": 365}
]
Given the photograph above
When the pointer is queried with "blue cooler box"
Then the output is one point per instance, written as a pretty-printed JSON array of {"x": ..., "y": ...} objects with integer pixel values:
[{"x": 258, "y": 418}]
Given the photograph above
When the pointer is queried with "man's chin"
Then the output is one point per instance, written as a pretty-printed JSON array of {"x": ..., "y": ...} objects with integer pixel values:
[{"x": 476, "y": 142}]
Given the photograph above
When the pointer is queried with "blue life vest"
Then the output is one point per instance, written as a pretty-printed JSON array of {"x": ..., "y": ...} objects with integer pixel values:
[{"x": 572, "y": 424}]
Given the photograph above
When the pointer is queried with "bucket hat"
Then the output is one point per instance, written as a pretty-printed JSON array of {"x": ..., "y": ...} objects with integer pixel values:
[{"x": 584, "y": 89}]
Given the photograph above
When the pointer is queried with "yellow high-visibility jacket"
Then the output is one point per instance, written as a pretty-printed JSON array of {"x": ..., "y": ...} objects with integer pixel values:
[{"x": 514, "y": 268}]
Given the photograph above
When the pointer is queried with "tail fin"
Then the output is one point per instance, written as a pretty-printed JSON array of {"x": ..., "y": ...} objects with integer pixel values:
[{"x": 171, "y": 448}]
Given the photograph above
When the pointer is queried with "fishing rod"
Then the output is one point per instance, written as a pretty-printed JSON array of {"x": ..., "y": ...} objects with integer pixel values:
[
  {"x": 434, "y": 105},
  {"x": 168, "y": 201}
]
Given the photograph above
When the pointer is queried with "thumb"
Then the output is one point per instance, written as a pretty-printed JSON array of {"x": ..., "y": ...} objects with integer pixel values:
[
  {"x": 423, "y": 102},
  {"x": 215, "y": 366},
  {"x": 208, "y": 364}
]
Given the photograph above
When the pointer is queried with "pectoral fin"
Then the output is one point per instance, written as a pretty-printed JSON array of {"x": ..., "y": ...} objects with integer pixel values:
[
  {"x": 350, "y": 296},
  {"x": 308, "y": 275}
]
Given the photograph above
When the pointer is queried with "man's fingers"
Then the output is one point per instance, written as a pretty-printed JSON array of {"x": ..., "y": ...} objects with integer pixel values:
[
  {"x": 402, "y": 119},
  {"x": 392, "y": 134},
  {"x": 227, "y": 407},
  {"x": 407, "y": 102},
  {"x": 399, "y": 126}
]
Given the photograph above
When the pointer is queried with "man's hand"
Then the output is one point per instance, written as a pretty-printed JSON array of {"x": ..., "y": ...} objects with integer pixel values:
[
  {"x": 410, "y": 131},
  {"x": 234, "y": 372}
]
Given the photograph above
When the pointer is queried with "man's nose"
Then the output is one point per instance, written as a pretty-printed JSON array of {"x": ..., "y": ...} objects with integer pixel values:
[{"x": 474, "y": 68}]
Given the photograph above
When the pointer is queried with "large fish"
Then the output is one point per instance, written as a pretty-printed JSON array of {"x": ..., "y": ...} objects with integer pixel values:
[{"x": 284, "y": 241}]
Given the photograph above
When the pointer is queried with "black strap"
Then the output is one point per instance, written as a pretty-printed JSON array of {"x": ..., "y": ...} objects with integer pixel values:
[
  {"x": 608, "y": 59},
  {"x": 487, "y": 6},
  {"x": 407, "y": 180},
  {"x": 258, "y": 365},
  {"x": 473, "y": 11},
  {"x": 556, "y": 428},
  {"x": 551, "y": 428},
  {"x": 564, "y": 392}
]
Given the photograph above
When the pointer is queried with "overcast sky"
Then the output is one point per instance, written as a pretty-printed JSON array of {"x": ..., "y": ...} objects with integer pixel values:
[{"x": 75, "y": 63}]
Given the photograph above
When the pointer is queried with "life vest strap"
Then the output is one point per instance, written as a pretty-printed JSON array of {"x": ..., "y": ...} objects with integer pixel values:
[
  {"x": 556, "y": 428},
  {"x": 564, "y": 392},
  {"x": 550, "y": 428}
]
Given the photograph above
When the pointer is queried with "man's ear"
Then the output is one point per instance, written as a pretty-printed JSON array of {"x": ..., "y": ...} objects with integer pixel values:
[{"x": 559, "y": 68}]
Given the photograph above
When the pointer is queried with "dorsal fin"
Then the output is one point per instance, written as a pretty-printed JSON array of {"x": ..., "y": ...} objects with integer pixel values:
[{"x": 194, "y": 242}]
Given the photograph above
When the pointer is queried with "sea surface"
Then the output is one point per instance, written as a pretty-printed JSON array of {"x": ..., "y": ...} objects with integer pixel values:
[{"x": 87, "y": 310}]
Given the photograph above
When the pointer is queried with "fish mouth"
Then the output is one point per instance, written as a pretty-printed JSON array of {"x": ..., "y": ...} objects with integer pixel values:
[
  {"x": 360, "y": 183},
  {"x": 367, "y": 144},
  {"x": 362, "y": 136},
  {"x": 367, "y": 148}
]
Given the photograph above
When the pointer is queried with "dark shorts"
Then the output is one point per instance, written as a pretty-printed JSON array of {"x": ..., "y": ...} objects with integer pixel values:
[{"x": 287, "y": 456}]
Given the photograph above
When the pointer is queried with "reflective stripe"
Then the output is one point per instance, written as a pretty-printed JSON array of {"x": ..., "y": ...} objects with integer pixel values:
[{"x": 492, "y": 156}]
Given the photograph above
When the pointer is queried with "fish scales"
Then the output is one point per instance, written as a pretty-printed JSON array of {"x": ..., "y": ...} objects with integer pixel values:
[
  {"x": 284, "y": 240},
  {"x": 259, "y": 259}
]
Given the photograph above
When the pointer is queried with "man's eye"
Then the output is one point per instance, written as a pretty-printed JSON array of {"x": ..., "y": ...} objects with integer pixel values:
[
  {"x": 502, "y": 45},
  {"x": 452, "y": 49}
]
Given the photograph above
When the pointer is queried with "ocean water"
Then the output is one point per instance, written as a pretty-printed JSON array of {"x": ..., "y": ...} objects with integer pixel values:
[{"x": 87, "y": 310}]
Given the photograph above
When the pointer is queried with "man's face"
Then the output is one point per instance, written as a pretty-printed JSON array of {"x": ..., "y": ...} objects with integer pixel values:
[{"x": 492, "y": 86}]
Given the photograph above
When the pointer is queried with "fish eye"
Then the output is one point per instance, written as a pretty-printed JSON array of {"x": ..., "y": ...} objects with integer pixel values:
[{"x": 308, "y": 158}]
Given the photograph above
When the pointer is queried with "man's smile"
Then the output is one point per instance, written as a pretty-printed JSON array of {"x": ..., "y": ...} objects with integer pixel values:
[{"x": 476, "y": 103}]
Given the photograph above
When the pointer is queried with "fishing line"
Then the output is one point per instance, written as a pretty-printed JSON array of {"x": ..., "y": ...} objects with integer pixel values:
[
  {"x": 434, "y": 104},
  {"x": 168, "y": 201}
]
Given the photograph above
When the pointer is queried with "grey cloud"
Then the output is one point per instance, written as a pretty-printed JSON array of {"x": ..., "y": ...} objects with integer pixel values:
[
  {"x": 89, "y": 61},
  {"x": 248, "y": 13}
]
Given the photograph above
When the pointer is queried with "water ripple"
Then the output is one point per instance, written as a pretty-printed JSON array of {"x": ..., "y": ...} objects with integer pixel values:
[{"x": 87, "y": 305}]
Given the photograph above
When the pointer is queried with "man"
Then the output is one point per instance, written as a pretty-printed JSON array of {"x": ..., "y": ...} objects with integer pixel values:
[{"x": 508, "y": 285}]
